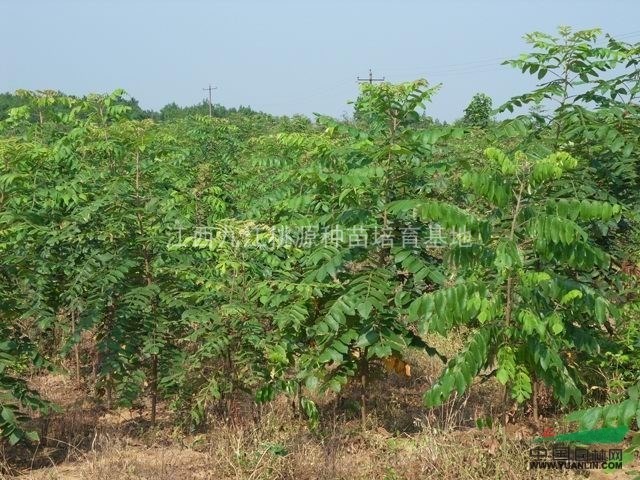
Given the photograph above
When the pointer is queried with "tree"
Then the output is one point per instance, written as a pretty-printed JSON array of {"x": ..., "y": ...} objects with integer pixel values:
[
  {"x": 252, "y": 255},
  {"x": 479, "y": 113},
  {"x": 360, "y": 279},
  {"x": 525, "y": 285}
]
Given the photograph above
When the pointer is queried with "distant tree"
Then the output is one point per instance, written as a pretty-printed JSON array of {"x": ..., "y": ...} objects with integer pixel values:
[
  {"x": 427, "y": 121},
  {"x": 136, "y": 112},
  {"x": 13, "y": 100},
  {"x": 9, "y": 101},
  {"x": 173, "y": 111},
  {"x": 170, "y": 111},
  {"x": 479, "y": 113}
]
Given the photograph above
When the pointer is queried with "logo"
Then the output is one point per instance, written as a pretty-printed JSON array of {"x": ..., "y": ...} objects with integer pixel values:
[
  {"x": 548, "y": 432},
  {"x": 570, "y": 451},
  {"x": 587, "y": 437}
]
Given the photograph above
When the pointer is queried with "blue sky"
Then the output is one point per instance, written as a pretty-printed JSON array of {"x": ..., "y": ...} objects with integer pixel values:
[{"x": 280, "y": 56}]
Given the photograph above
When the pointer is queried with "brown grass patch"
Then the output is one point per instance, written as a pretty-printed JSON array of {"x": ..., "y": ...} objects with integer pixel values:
[{"x": 403, "y": 440}]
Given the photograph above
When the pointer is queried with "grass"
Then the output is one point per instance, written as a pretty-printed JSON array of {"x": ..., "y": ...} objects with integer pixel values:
[
  {"x": 403, "y": 440},
  {"x": 280, "y": 448}
]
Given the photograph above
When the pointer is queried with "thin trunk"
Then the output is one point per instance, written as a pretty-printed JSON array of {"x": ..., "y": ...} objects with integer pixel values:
[
  {"x": 76, "y": 347},
  {"x": 508, "y": 310},
  {"x": 514, "y": 222},
  {"x": 505, "y": 402},
  {"x": 230, "y": 403},
  {"x": 99, "y": 355},
  {"x": 153, "y": 381},
  {"x": 153, "y": 384},
  {"x": 364, "y": 372},
  {"x": 534, "y": 401},
  {"x": 154, "y": 388},
  {"x": 94, "y": 374},
  {"x": 137, "y": 174},
  {"x": 107, "y": 388},
  {"x": 565, "y": 96}
]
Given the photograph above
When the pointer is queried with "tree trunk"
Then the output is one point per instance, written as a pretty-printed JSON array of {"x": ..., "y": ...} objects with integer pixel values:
[
  {"x": 154, "y": 388},
  {"x": 76, "y": 347},
  {"x": 364, "y": 372},
  {"x": 534, "y": 401}
]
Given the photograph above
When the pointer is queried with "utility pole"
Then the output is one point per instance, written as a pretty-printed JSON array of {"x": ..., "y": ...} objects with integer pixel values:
[
  {"x": 370, "y": 79},
  {"x": 210, "y": 88}
]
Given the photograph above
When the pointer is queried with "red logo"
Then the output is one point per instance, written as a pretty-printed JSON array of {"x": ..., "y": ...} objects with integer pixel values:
[{"x": 548, "y": 432}]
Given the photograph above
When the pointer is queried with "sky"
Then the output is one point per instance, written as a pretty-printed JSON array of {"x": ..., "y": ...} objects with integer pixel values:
[{"x": 283, "y": 56}]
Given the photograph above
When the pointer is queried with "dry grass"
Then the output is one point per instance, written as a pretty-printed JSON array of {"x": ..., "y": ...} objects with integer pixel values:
[
  {"x": 279, "y": 448},
  {"x": 402, "y": 440}
]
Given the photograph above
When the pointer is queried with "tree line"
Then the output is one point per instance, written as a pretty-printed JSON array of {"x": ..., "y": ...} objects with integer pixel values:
[{"x": 195, "y": 259}]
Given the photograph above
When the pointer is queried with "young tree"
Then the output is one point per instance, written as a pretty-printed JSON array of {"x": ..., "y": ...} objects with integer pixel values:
[{"x": 479, "y": 113}]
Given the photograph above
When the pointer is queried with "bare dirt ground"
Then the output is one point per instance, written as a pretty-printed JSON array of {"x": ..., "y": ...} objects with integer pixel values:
[{"x": 402, "y": 441}]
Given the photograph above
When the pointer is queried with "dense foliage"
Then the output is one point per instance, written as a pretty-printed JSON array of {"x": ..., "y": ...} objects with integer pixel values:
[
  {"x": 479, "y": 113},
  {"x": 199, "y": 259}
]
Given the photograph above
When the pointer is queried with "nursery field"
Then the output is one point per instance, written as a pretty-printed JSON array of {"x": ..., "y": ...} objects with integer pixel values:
[{"x": 231, "y": 294}]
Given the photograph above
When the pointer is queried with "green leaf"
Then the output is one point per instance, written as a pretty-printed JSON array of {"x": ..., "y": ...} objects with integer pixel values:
[
  {"x": 570, "y": 296},
  {"x": 32, "y": 436},
  {"x": 364, "y": 309},
  {"x": 8, "y": 415},
  {"x": 367, "y": 339},
  {"x": 311, "y": 382},
  {"x": 14, "y": 438},
  {"x": 590, "y": 418}
]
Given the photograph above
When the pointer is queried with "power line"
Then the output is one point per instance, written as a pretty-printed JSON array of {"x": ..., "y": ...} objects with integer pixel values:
[
  {"x": 477, "y": 63},
  {"x": 370, "y": 79},
  {"x": 630, "y": 34},
  {"x": 470, "y": 66},
  {"x": 486, "y": 65},
  {"x": 454, "y": 71},
  {"x": 311, "y": 95},
  {"x": 209, "y": 89}
]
